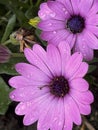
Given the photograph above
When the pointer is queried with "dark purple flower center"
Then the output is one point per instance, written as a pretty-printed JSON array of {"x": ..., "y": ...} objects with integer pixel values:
[
  {"x": 76, "y": 24},
  {"x": 59, "y": 86}
]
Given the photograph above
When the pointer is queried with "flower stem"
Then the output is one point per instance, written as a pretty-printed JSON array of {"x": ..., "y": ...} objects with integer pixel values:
[
  {"x": 38, "y": 3},
  {"x": 6, "y": 42}
]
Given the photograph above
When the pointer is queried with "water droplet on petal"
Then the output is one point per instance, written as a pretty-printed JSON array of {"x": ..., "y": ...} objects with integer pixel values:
[
  {"x": 64, "y": 9},
  {"x": 52, "y": 14},
  {"x": 12, "y": 96},
  {"x": 54, "y": 32},
  {"x": 50, "y": 24},
  {"x": 59, "y": 123}
]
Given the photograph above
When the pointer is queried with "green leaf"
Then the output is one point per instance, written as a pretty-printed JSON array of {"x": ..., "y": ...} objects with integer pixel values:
[
  {"x": 91, "y": 68},
  {"x": 9, "y": 28},
  {"x": 95, "y": 60},
  {"x": 9, "y": 67},
  {"x": 38, "y": 32},
  {"x": 4, "y": 96}
]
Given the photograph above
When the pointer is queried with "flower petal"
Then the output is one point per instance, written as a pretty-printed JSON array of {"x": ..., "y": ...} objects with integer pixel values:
[
  {"x": 82, "y": 70},
  {"x": 82, "y": 97},
  {"x": 73, "y": 64},
  {"x": 59, "y": 9},
  {"x": 68, "y": 5},
  {"x": 33, "y": 114},
  {"x": 54, "y": 59},
  {"x": 84, "y": 109},
  {"x": 85, "y": 6},
  {"x": 31, "y": 72},
  {"x": 51, "y": 25},
  {"x": 59, "y": 36},
  {"x": 71, "y": 39},
  {"x": 58, "y": 119},
  {"x": 91, "y": 40},
  {"x": 45, "y": 12},
  {"x": 79, "y": 84},
  {"x": 34, "y": 59},
  {"x": 75, "y": 5},
  {"x": 20, "y": 82},
  {"x": 81, "y": 46},
  {"x": 65, "y": 53},
  {"x": 20, "y": 94}
]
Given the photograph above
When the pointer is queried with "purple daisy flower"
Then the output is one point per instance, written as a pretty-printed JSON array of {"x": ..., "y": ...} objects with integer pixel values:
[
  {"x": 50, "y": 89},
  {"x": 73, "y": 21}
]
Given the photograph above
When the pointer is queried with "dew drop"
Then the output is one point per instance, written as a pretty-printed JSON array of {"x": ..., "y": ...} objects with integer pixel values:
[
  {"x": 54, "y": 32},
  {"x": 50, "y": 24},
  {"x": 64, "y": 9},
  {"x": 52, "y": 14},
  {"x": 59, "y": 123},
  {"x": 12, "y": 96},
  {"x": 42, "y": 15}
]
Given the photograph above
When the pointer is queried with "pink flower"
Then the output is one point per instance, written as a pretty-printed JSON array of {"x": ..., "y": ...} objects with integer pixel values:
[
  {"x": 50, "y": 89},
  {"x": 73, "y": 21}
]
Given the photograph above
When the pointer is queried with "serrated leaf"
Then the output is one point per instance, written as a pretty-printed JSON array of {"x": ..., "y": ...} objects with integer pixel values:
[
  {"x": 9, "y": 28},
  {"x": 9, "y": 67},
  {"x": 4, "y": 96}
]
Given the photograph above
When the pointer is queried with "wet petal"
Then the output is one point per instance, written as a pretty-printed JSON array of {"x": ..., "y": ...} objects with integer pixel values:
[
  {"x": 31, "y": 72},
  {"x": 65, "y": 53},
  {"x": 51, "y": 25},
  {"x": 54, "y": 59},
  {"x": 34, "y": 59}
]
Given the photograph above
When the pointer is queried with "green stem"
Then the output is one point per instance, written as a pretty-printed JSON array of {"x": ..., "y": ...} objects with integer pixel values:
[
  {"x": 6, "y": 42},
  {"x": 38, "y": 3},
  {"x": 17, "y": 55}
]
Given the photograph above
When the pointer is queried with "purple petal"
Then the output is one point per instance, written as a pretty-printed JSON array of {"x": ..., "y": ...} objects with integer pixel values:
[
  {"x": 59, "y": 9},
  {"x": 73, "y": 64},
  {"x": 68, "y": 5},
  {"x": 71, "y": 39},
  {"x": 60, "y": 36},
  {"x": 59, "y": 117},
  {"x": 45, "y": 118},
  {"x": 36, "y": 61},
  {"x": 93, "y": 29},
  {"x": 75, "y": 5},
  {"x": 91, "y": 40},
  {"x": 81, "y": 46},
  {"x": 82, "y": 97},
  {"x": 73, "y": 109},
  {"x": 51, "y": 25},
  {"x": 20, "y": 81},
  {"x": 54, "y": 59},
  {"x": 65, "y": 53},
  {"x": 24, "y": 94},
  {"x": 84, "y": 109},
  {"x": 81, "y": 72},
  {"x": 79, "y": 84},
  {"x": 33, "y": 114},
  {"x": 31, "y": 72},
  {"x": 92, "y": 20},
  {"x": 85, "y": 6},
  {"x": 45, "y": 12}
]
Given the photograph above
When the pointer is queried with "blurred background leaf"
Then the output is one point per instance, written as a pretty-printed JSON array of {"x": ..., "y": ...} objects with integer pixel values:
[{"x": 4, "y": 96}]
